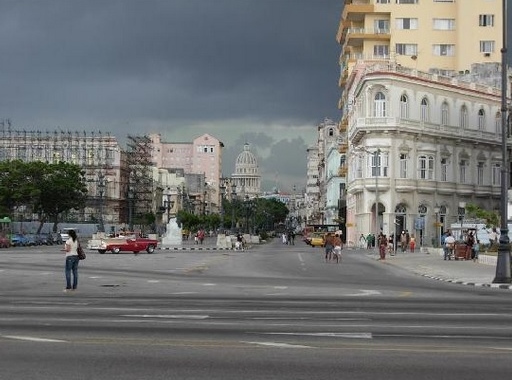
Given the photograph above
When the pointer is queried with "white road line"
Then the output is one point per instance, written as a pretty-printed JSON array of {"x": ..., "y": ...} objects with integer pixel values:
[
  {"x": 32, "y": 339},
  {"x": 364, "y": 293},
  {"x": 280, "y": 345},
  {"x": 328, "y": 334},
  {"x": 168, "y": 316}
]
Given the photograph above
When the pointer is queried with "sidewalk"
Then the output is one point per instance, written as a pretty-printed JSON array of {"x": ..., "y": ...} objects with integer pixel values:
[{"x": 433, "y": 265}]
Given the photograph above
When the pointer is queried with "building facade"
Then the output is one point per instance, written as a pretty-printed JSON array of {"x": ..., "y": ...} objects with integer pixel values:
[
  {"x": 247, "y": 177},
  {"x": 420, "y": 102}
]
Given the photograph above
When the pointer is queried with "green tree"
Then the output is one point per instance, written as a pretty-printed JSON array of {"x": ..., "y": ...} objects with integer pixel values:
[
  {"x": 62, "y": 189},
  {"x": 491, "y": 218}
]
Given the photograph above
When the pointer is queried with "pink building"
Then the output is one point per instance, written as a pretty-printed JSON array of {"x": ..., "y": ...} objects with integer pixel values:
[{"x": 201, "y": 156}]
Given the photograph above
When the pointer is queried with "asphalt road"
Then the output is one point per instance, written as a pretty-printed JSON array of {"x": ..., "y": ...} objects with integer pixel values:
[{"x": 275, "y": 312}]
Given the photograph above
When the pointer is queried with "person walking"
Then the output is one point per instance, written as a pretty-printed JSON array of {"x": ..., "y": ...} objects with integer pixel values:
[
  {"x": 412, "y": 243},
  {"x": 475, "y": 251},
  {"x": 70, "y": 247},
  {"x": 449, "y": 243},
  {"x": 362, "y": 241},
  {"x": 329, "y": 246},
  {"x": 383, "y": 246},
  {"x": 338, "y": 246},
  {"x": 403, "y": 241}
]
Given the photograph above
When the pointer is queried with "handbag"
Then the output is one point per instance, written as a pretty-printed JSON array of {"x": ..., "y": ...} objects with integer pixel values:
[{"x": 80, "y": 252}]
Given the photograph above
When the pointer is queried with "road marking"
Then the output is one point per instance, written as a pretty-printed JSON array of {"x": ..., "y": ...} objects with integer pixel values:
[
  {"x": 280, "y": 287},
  {"x": 32, "y": 339},
  {"x": 169, "y": 316},
  {"x": 328, "y": 334},
  {"x": 364, "y": 293},
  {"x": 209, "y": 284},
  {"x": 280, "y": 345},
  {"x": 153, "y": 281}
]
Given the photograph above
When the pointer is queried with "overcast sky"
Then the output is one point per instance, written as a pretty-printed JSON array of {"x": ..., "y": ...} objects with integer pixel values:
[{"x": 261, "y": 71}]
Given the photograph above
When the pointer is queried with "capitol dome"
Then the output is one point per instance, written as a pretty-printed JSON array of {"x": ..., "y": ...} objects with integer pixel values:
[
  {"x": 247, "y": 173},
  {"x": 246, "y": 162}
]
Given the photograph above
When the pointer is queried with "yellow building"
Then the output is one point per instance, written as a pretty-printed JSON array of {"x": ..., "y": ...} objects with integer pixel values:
[{"x": 439, "y": 36}]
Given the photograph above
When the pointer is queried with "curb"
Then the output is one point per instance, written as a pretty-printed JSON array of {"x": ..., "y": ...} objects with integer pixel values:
[
  {"x": 459, "y": 282},
  {"x": 194, "y": 249}
]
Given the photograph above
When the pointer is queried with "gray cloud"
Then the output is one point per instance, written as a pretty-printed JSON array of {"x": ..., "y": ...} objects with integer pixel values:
[{"x": 178, "y": 67}]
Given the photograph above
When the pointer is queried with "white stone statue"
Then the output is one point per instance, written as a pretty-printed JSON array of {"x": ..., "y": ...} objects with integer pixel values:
[{"x": 172, "y": 234}]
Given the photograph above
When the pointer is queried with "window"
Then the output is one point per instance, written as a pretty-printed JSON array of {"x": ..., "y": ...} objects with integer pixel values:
[
  {"x": 444, "y": 114},
  {"x": 404, "y": 107},
  {"x": 381, "y": 26},
  {"x": 481, "y": 120},
  {"x": 383, "y": 1},
  {"x": 380, "y": 105},
  {"x": 444, "y": 169},
  {"x": 381, "y": 50},
  {"x": 407, "y": 1},
  {"x": 406, "y": 49},
  {"x": 443, "y": 24},
  {"x": 496, "y": 175},
  {"x": 403, "y": 165},
  {"x": 463, "y": 118},
  {"x": 424, "y": 110},
  {"x": 426, "y": 167},
  {"x": 443, "y": 50},
  {"x": 486, "y": 46},
  {"x": 486, "y": 20},
  {"x": 480, "y": 173},
  {"x": 378, "y": 164},
  {"x": 463, "y": 166},
  {"x": 406, "y": 23}
]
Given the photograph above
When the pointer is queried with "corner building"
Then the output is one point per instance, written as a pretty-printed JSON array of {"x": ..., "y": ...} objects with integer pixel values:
[{"x": 421, "y": 113}]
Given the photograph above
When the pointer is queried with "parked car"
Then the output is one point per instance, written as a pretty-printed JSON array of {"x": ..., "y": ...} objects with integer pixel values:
[
  {"x": 19, "y": 240},
  {"x": 125, "y": 244},
  {"x": 5, "y": 242},
  {"x": 32, "y": 240}
]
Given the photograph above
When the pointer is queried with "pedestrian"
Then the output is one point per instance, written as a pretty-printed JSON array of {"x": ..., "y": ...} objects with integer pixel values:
[
  {"x": 412, "y": 243},
  {"x": 369, "y": 239},
  {"x": 70, "y": 247},
  {"x": 383, "y": 246},
  {"x": 475, "y": 250},
  {"x": 362, "y": 241},
  {"x": 403, "y": 241},
  {"x": 338, "y": 246},
  {"x": 449, "y": 243},
  {"x": 329, "y": 246}
]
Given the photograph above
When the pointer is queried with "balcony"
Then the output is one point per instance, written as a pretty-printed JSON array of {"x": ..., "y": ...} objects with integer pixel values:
[{"x": 405, "y": 185}]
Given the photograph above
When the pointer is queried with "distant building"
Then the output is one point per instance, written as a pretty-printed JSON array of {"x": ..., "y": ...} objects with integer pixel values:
[{"x": 247, "y": 176}]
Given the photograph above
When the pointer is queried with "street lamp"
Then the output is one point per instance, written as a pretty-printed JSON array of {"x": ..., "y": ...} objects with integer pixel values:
[
  {"x": 437, "y": 209},
  {"x": 130, "y": 208},
  {"x": 462, "y": 212},
  {"x": 101, "y": 191},
  {"x": 222, "y": 189},
  {"x": 503, "y": 261},
  {"x": 233, "y": 199},
  {"x": 168, "y": 203}
]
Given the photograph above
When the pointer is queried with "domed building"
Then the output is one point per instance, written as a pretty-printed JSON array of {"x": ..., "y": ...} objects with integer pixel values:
[{"x": 247, "y": 174}]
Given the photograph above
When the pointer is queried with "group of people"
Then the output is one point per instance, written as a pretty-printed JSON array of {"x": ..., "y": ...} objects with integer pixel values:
[
  {"x": 333, "y": 246},
  {"x": 472, "y": 245},
  {"x": 288, "y": 237}
]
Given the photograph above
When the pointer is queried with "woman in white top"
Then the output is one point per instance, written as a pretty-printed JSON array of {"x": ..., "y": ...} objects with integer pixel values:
[{"x": 71, "y": 247}]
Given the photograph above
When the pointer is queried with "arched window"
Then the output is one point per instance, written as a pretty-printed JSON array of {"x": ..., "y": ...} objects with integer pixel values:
[
  {"x": 444, "y": 114},
  {"x": 424, "y": 110},
  {"x": 331, "y": 132},
  {"x": 404, "y": 107},
  {"x": 380, "y": 105},
  {"x": 463, "y": 117},
  {"x": 481, "y": 120}
]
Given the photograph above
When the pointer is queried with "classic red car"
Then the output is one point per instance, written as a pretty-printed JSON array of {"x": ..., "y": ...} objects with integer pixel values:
[{"x": 124, "y": 244}]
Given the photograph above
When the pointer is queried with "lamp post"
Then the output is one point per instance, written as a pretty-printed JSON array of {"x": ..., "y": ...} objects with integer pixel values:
[
  {"x": 503, "y": 260},
  {"x": 462, "y": 212},
  {"x": 222, "y": 189},
  {"x": 436, "y": 211},
  {"x": 130, "y": 208},
  {"x": 101, "y": 190},
  {"x": 168, "y": 203},
  {"x": 377, "y": 200},
  {"x": 233, "y": 199}
]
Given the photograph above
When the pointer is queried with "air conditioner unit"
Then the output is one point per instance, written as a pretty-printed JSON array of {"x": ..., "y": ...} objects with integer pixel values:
[{"x": 487, "y": 54}]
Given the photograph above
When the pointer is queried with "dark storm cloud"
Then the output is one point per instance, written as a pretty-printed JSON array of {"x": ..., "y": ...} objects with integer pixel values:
[
  {"x": 169, "y": 60},
  {"x": 177, "y": 67}
]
